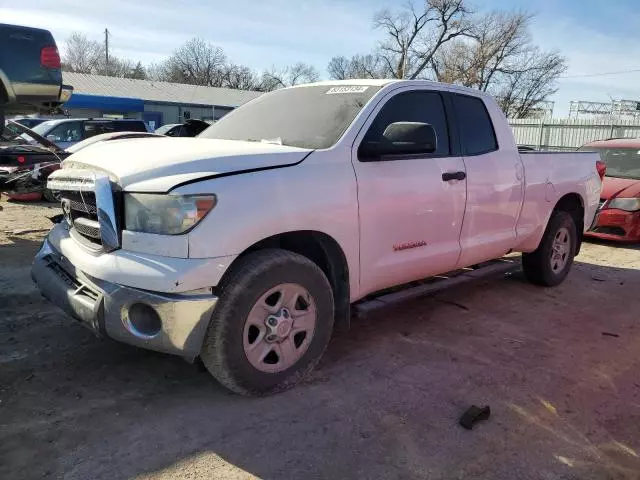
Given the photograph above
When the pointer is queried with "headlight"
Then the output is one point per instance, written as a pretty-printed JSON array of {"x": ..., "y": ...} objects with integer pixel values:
[
  {"x": 165, "y": 214},
  {"x": 628, "y": 204}
]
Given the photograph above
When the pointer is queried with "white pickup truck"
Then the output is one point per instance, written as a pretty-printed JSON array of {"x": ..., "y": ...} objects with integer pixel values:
[{"x": 247, "y": 245}]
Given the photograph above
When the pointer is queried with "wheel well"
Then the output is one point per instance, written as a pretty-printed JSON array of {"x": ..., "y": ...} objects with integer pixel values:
[
  {"x": 572, "y": 204},
  {"x": 325, "y": 252}
]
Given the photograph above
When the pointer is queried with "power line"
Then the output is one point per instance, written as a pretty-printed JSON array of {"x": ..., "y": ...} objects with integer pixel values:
[{"x": 602, "y": 74}]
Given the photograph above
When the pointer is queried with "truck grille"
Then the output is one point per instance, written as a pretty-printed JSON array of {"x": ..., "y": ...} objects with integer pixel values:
[
  {"x": 81, "y": 213},
  {"x": 91, "y": 204}
]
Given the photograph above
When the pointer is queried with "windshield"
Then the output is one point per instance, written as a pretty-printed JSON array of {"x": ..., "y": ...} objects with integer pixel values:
[
  {"x": 306, "y": 117},
  {"x": 44, "y": 127},
  {"x": 621, "y": 162}
]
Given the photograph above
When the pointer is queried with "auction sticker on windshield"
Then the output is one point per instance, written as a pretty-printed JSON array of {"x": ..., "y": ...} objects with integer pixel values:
[{"x": 347, "y": 89}]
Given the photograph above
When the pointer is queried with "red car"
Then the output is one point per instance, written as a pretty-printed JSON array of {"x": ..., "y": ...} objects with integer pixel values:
[{"x": 619, "y": 214}]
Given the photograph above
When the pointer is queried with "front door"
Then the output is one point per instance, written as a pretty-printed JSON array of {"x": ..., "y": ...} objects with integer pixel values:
[{"x": 411, "y": 211}]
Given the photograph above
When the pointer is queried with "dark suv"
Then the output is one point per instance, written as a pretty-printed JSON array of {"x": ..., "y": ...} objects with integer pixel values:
[{"x": 30, "y": 74}]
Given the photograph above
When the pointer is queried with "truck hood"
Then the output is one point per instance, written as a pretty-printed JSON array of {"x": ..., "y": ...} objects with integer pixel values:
[
  {"x": 157, "y": 164},
  {"x": 620, "y": 187}
]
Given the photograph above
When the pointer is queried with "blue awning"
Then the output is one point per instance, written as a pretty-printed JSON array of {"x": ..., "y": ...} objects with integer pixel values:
[{"x": 105, "y": 104}]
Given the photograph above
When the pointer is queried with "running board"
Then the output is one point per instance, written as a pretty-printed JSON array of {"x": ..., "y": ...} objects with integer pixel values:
[{"x": 436, "y": 284}]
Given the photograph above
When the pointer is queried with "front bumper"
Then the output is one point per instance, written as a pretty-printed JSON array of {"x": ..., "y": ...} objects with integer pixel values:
[
  {"x": 616, "y": 225},
  {"x": 180, "y": 320}
]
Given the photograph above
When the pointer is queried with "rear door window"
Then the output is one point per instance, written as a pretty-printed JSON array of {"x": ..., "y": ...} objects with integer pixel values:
[{"x": 476, "y": 129}]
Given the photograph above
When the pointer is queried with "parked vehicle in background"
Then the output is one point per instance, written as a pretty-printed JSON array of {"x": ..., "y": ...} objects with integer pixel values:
[
  {"x": 168, "y": 128},
  {"x": 619, "y": 214},
  {"x": 30, "y": 75},
  {"x": 68, "y": 131},
  {"x": 190, "y": 128},
  {"x": 246, "y": 245},
  {"x": 29, "y": 122},
  {"x": 27, "y": 159}
]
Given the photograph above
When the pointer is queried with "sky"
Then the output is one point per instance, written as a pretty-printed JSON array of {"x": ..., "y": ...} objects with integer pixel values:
[{"x": 596, "y": 36}]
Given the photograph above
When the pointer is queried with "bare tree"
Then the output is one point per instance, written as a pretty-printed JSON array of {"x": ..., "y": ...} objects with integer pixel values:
[
  {"x": 196, "y": 62},
  {"x": 499, "y": 57},
  {"x": 414, "y": 35},
  {"x": 118, "y": 67},
  {"x": 240, "y": 77},
  {"x": 339, "y": 68},
  {"x": 523, "y": 89},
  {"x": 82, "y": 55},
  {"x": 358, "y": 66},
  {"x": 492, "y": 44},
  {"x": 288, "y": 76},
  {"x": 446, "y": 42},
  {"x": 138, "y": 72}
]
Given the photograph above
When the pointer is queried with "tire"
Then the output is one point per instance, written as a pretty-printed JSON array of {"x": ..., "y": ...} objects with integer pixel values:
[
  {"x": 541, "y": 267},
  {"x": 247, "y": 289},
  {"x": 49, "y": 196}
]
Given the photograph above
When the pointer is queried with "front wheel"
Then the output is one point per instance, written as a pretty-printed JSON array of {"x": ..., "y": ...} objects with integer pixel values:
[
  {"x": 550, "y": 263},
  {"x": 271, "y": 325}
]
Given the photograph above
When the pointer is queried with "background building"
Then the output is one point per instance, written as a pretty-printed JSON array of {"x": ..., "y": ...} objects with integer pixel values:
[{"x": 157, "y": 103}]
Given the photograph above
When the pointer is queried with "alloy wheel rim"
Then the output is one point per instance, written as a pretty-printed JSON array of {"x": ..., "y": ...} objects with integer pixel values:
[
  {"x": 279, "y": 328},
  {"x": 560, "y": 250}
]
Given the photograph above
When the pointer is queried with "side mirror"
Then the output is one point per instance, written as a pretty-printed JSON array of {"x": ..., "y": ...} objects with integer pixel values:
[
  {"x": 401, "y": 138},
  {"x": 52, "y": 138}
]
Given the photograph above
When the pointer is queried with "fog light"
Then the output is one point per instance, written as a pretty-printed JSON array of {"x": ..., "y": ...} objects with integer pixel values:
[{"x": 142, "y": 320}]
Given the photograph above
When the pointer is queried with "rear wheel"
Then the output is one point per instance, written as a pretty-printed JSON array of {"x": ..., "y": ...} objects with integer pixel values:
[
  {"x": 550, "y": 263},
  {"x": 271, "y": 325}
]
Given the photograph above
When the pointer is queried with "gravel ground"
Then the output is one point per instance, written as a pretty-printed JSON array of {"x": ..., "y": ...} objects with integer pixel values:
[{"x": 559, "y": 367}]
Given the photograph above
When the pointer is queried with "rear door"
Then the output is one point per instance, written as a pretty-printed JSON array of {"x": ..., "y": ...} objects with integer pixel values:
[
  {"x": 495, "y": 184},
  {"x": 410, "y": 216}
]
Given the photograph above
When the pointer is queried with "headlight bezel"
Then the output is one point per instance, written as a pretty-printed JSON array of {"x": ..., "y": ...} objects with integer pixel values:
[
  {"x": 630, "y": 204},
  {"x": 172, "y": 214}
]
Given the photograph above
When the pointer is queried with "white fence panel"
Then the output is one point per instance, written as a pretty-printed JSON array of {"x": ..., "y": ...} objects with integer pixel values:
[{"x": 569, "y": 134}]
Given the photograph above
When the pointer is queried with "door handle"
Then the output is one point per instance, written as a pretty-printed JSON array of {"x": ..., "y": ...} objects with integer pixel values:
[{"x": 448, "y": 176}]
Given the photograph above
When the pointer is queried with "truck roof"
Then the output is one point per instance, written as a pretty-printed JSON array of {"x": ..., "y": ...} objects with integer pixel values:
[{"x": 375, "y": 82}]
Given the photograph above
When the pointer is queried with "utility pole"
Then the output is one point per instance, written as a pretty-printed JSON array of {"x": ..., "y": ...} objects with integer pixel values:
[{"x": 106, "y": 51}]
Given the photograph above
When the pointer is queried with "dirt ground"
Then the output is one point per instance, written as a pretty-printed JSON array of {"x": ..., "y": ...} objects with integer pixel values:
[{"x": 559, "y": 367}]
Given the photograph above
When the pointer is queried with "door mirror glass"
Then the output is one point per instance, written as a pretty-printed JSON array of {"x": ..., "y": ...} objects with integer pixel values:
[{"x": 401, "y": 138}]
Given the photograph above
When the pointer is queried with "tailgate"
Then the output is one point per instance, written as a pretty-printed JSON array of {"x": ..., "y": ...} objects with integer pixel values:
[{"x": 20, "y": 55}]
